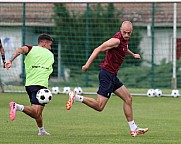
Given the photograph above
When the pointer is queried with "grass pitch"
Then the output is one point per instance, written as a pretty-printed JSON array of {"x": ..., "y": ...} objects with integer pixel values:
[{"x": 83, "y": 125}]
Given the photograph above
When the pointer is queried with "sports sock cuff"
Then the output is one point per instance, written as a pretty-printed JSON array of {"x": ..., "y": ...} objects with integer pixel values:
[
  {"x": 79, "y": 98},
  {"x": 20, "y": 107},
  {"x": 132, "y": 125},
  {"x": 131, "y": 122}
]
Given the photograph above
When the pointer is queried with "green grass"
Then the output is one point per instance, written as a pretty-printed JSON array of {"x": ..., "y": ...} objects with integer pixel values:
[{"x": 83, "y": 125}]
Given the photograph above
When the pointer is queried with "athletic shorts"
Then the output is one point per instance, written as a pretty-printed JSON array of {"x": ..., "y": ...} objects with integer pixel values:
[
  {"x": 32, "y": 91},
  {"x": 108, "y": 83}
]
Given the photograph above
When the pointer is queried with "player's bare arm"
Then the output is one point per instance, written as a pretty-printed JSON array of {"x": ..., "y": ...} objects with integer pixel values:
[
  {"x": 109, "y": 44},
  {"x": 1, "y": 49},
  {"x": 21, "y": 50},
  {"x": 136, "y": 56},
  {"x": 2, "y": 53}
]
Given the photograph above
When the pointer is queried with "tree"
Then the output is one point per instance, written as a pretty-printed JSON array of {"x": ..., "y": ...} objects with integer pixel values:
[{"x": 102, "y": 22}]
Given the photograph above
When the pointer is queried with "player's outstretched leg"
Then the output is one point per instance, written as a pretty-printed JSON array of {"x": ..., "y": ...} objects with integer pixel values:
[
  {"x": 71, "y": 100},
  {"x": 138, "y": 131},
  {"x": 12, "y": 113}
]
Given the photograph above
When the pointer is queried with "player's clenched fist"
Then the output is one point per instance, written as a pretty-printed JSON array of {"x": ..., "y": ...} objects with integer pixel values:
[
  {"x": 8, "y": 64},
  {"x": 84, "y": 68}
]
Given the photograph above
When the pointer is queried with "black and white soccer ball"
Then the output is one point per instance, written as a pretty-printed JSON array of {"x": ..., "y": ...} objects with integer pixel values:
[
  {"x": 175, "y": 93},
  {"x": 151, "y": 93},
  {"x": 55, "y": 90},
  {"x": 158, "y": 92},
  {"x": 78, "y": 90},
  {"x": 44, "y": 96},
  {"x": 66, "y": 90}
]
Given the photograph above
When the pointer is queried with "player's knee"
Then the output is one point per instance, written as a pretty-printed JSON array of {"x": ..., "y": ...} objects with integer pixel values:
[
  {"x": 128, "y": 99},
  {"x": 100, "y": 109},
  {"x": 37, "y": 115}
]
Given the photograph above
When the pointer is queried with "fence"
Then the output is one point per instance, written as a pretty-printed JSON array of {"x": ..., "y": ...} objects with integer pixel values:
[{"x": 78, "y": 28}]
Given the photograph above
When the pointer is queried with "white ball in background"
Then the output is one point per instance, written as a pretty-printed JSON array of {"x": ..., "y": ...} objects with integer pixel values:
[
  {"x": 78, "y": 90},
  {"x": 175, "y": 93},
  {"x": 151, "y": 93},
  {"x": 55, "y": 90},
  {"x": 66, "y": 90},
  {"x": 158, "y": 92}
]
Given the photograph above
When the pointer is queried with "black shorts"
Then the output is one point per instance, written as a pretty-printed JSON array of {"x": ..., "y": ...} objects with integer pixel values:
[
  {"x": 108, "y": 83},
  {"x": 32, "y": 91}
]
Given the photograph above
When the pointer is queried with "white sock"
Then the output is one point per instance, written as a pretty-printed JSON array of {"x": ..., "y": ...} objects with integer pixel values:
[
  {"x": 20, "y": 107},
  {"x": 79, "y": 98},
  {"x": 132, "y": 125},
  {"x": 41, "y": 129}
]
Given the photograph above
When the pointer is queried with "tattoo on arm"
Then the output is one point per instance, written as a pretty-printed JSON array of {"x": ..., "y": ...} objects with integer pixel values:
[{"x": 16, "y": 54}]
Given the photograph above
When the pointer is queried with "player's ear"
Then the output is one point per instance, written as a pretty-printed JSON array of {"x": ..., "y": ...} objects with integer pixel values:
[{"x": 44, "y": 43}]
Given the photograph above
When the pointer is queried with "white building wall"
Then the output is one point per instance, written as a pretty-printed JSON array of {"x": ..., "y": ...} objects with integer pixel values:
[
  {"x": 162, "y": 45},
  {"x": 11, "y": 39}
]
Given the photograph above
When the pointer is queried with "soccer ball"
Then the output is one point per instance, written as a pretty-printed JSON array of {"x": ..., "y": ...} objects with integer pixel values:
[
  {"x": 175, "y": 93},
  {"x": 55, "y": 90},
  {"x": 66, "y": 90},
  {"x": 78, "y": 90},
  {"x": 151, "y": 93},
  {"x": 44, "y": 96},
  {"x": 158, "y": 92}
]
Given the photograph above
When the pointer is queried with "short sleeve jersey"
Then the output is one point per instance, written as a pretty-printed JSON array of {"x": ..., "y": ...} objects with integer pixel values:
[
  {"x": 38, "y": 66},
  {"x": 115, "y": 56}
]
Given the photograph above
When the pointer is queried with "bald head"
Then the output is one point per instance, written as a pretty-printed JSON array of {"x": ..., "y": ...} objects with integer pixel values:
[
  {"x": 127, "y": 24},
  {"x": 126, "y": 29}
]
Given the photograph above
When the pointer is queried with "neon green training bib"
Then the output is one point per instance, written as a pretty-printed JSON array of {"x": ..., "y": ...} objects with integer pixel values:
[{"x": 38, "y": 66}]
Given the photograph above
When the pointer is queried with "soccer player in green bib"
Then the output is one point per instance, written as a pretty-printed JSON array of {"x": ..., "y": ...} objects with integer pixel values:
[{"x": 38, "y": 65}]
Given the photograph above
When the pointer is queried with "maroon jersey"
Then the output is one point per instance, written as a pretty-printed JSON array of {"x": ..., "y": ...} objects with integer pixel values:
[
  {"x": 29, "y": 48},
  {"x": 115, "y": 56}
]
